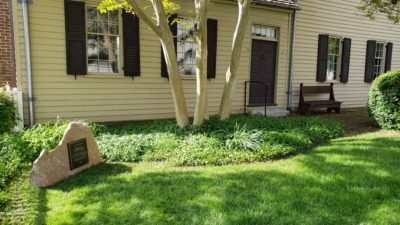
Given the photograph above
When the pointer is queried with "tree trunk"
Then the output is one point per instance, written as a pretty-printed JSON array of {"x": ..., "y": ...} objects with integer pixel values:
[
  {"x": 167, "y": 42},
  {"x": 201, "y": 112},
  {"x": 162, "y": 30},
  {"x": 231, "y": 73}
]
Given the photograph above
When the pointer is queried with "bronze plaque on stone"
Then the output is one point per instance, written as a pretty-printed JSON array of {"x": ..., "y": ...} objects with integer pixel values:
[{"x": 78, "y": 153}]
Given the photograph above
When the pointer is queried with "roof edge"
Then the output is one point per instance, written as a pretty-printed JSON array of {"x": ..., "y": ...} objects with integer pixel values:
[{"x": 293, "y": 6}]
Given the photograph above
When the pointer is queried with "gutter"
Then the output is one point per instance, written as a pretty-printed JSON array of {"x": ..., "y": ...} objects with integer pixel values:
[
  {"x": 276, "y": 5},
  {"x": 291, "y": 60},
  {"x": 28, "y": 61}
]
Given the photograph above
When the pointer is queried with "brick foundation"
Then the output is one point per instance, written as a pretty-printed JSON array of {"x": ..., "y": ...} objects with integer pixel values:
[{"x": 7, "y": 57}]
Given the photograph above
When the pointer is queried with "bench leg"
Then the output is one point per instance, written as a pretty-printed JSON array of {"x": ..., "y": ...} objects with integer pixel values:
[
  {"x": 307, "y": 110},
  {"x": 329, "y": 110},
  {"x": 337, "y": 110}
]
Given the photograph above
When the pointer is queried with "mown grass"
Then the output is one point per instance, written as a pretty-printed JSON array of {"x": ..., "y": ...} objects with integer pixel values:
[{"x": 352, "y": 180}]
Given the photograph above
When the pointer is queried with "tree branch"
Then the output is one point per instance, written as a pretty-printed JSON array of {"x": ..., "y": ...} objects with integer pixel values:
[
  {"x": 142, "y": 15},
  {"x": 160, "y": 13}
]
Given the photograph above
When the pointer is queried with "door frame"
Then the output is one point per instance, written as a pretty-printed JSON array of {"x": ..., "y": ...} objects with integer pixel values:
[{"x": 277, "y": 40}]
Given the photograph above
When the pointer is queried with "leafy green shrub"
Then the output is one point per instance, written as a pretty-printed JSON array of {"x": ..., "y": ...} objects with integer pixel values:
[
  {"x": 7, "y": 113},
  {"x": 130, "y": 147},
  {"x": 18, "y": 150},
  {"x": 384, "y": 100}
]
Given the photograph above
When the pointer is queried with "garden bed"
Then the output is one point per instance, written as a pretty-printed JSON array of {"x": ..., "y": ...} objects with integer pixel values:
[{"x": 237, "y": 140}]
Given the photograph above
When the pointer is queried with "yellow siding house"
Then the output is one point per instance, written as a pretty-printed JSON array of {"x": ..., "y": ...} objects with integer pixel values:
[{"x": 84, "y": 65}]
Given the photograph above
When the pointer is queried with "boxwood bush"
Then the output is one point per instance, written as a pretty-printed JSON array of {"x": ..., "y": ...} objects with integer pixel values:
[
  {"x": 7, "y": 113},
  {"x": 384, "y": 100}
]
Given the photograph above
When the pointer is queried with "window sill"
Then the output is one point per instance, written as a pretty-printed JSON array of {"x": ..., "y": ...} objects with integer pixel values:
[
  {"x": 107, "y": 76},
  {"x": 188, "y": 77},
  {"x": 259, "y": 105},
  {"x": 333, "y": 81}
]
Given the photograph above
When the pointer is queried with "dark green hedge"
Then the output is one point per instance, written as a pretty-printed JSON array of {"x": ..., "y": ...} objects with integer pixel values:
[
  {"x": 7, "y": 113},
  {"x": 384, "y": 100}
]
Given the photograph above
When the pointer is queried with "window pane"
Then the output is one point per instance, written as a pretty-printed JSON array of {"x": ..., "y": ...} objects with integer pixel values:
[
  {"x": 92, "y": 13},
  {"x": 104, "y": 66},
  {"x": 114, "y": 42},
  {"x": 103, "y": 41},
  {"x": 92, "y": 26},
  {"x": 333, "y": 58},
  {"x": 92, "y": 66},
  {"x": 92, "y": 46},
  {"x": 379, "y": 58},
  {"x": 113, "y": 29},
  {"x": 113, "y": 17},
  {"x": 103, "y": 28},
  {"x": 186, "y": 51},
  {"x": 263, "y": 31},
  {"x": 103, "y": 17}
]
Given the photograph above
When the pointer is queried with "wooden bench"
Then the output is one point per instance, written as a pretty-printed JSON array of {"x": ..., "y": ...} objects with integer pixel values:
[{"x": 307, "y": 106}]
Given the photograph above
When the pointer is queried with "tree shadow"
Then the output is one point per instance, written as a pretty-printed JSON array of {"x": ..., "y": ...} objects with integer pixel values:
[{"x": 41, "y": 207}]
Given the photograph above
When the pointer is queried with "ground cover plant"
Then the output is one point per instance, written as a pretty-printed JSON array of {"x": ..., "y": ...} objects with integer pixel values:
[
  {"x": 384, "y": 100},
  {"x": 240, "y": 139},
  {"x": 352, "y": 180}
]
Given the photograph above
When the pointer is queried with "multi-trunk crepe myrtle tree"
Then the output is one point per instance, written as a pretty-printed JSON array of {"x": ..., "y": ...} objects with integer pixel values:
[
  {"x": 391, "y": 8},
  {"x": 159, "y": 23}
]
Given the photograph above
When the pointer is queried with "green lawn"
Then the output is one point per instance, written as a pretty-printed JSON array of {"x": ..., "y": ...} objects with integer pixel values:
[{"x": 353, "y": 180}]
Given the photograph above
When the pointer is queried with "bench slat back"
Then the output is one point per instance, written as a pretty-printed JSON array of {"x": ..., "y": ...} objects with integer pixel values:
[{"x": 308, "y": 90}]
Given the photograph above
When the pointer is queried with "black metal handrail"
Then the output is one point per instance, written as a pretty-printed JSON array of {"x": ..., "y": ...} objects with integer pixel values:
[{"x": 245, "y": 95}]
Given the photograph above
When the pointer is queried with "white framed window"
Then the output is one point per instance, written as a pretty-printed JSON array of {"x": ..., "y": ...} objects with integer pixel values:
[
  {"x": 334, "y": 58},
  {"x": 186, "y": 50},
  {"x": 379, "y": 62},
  {"x": 263, "y": 31},
  {"x": 103, "y": 37}
]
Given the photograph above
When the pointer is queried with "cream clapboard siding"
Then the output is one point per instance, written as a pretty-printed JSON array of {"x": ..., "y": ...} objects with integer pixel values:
[
  {"x": 100, "y": 98},
  {"x": 342, "y": 19}
]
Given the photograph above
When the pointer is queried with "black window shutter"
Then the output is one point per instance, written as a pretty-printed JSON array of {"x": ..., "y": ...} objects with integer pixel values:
[
  {"x": 369, "y": 61},
  {"x": 174, "y": 30},
  {"x": 388, "y": 60},
  {"x": 131, "y": 45},
  {"x": 345, "y": 65},
  {"x": 212, "y": 34},
  {"x": 75, "y": 37},
  {"x": 322, "y": 61}
]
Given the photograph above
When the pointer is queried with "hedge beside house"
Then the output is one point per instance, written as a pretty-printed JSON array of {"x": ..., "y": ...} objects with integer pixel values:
[
  {"x": 7, "y": 113},
  {"x": 384, "y": 100}
]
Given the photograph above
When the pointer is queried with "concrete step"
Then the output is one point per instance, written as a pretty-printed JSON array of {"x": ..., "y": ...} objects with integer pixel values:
[{"x": 270, "y": 112}]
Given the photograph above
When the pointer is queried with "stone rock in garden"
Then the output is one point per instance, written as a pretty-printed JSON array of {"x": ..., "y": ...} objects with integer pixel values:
[{"x": 77, "y": 151}]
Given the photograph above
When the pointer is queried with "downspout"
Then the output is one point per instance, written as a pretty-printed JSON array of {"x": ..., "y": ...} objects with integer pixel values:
[
  {"x": 28, "y": 61},
  {"x": 291, "y": 60}
]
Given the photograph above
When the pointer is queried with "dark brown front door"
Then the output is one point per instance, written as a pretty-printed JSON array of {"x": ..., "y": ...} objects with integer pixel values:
[{"x": 263, "y": 63}]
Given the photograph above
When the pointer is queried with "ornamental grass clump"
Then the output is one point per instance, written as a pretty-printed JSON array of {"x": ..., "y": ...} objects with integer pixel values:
[
  {"x": 384, "y": 100},
  {"x": 242, "y": 139}
]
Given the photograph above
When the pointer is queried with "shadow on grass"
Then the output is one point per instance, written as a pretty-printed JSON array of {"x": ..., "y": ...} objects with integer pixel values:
[{"x": 346, "y": 182}]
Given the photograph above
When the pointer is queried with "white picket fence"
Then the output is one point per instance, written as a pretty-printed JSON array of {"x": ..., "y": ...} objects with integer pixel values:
[{"x": 18, "y": 99}]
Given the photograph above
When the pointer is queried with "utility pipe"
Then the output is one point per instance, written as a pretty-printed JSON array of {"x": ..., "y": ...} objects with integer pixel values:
[
  {"x": 28, "y": 61},
  {"x": 291, "y": 60}
]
